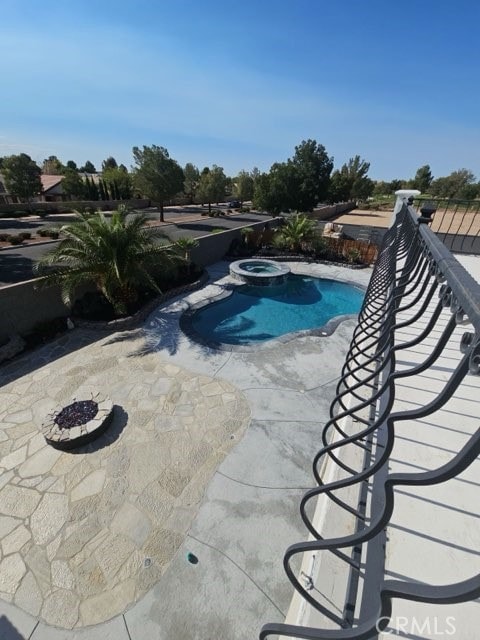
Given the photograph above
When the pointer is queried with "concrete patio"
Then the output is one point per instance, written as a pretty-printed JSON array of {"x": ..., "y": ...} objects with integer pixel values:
[{"x": 204, "y": 448}]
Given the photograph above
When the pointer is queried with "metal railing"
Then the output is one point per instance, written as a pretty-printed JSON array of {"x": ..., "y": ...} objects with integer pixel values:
[
  {"x": 415, "y": 281},
  {"x": 456, "y": 222}
]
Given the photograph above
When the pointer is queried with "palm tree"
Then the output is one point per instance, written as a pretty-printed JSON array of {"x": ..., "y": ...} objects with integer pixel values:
[
  {"x": 186, "y": 245},
  {"x": 298, "y": 229},
  {"x": 116, "y": 254}
]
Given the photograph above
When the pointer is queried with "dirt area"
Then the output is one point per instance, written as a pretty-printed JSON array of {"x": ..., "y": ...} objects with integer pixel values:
[{"x": 365, "y": 218}]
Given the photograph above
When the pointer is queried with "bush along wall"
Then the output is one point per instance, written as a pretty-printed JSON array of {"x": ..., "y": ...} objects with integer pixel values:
[{"x": 18, "y": 210}]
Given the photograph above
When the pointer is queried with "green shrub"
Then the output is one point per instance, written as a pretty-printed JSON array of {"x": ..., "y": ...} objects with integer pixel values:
[
  {"x": 15, "y": 239},
  {"x": 243, "y": 209},
  {"x": 217, "y": 230},
  {"x": 319, "y": 245},
  {"x": 279, "y": 242},
  {"x": 26, "y": 235},
  {"x": 4, "y": 237},
  {"x": 353, "y": 255},
  {"x": 48, "y": 233}
]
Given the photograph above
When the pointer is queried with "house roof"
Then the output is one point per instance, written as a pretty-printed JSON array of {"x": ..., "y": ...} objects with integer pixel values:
[{"x": 48, "y": 182}]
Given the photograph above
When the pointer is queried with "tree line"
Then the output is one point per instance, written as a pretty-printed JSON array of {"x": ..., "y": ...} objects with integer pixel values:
[
  {"x": 459, "y": 184},
  {"x": 300, "y": 183}
]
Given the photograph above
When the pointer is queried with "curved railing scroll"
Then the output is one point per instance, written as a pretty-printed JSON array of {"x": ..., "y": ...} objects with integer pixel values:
[{"x": 412, "y": 268}]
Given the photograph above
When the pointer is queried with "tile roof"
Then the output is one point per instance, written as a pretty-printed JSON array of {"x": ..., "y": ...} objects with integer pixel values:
[{"x": 48, "y": 182}]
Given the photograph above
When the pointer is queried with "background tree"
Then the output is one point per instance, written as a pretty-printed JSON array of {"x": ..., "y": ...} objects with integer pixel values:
[
  {"x": 459, "y": 184},
  {"x": 22, "y": 177},
  {"x": 262, "y": 195},
  {"x": 88, "y": 167},
  {"x": 118, "y": 183},
  {"x": 52, "y": 166},
  {"x": 156, "y": 175},
  {"x": 351, "y": 182},
  {"x": 190, "y": 184},
  {"x": 103, "y": 192},
  {"x": 255, "y": 173},
  {"x": 109, "y": 163},
  {"x": 278, "y": 191},
  {"x": 201, "y": 185},
  {"x": 383, "y": 188},
  {"x": 244, "y": 186},
  {"x": 229, "y": 186},
  {"x": 423, "y": 179},
  {"x": 1, "y": 163},
  {"x": 469, "y": 192},
  {"x": 300, "y": 183},
  {"x": 91, "y": 189},
  {"x": 71, "y": 165},
  {"x": 313, "y": 166},
  {"x": 285, "y": 194},
  {"x": 396, "y": 185},
  {"x": 218, "y": 183},
  {"x": 72, "y": 185},
  {"x": 211, "y": 187}
]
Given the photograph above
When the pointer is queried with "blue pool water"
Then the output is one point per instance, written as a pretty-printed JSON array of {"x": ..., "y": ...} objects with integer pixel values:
[{"x": 255, "y": 314}]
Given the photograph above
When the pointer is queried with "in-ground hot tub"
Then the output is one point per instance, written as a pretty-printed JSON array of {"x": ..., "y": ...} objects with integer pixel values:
[{"x": 259, "y": 271}]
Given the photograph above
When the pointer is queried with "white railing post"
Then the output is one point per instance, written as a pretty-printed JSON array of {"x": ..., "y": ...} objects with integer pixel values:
[{"x": 402, "y": 196}]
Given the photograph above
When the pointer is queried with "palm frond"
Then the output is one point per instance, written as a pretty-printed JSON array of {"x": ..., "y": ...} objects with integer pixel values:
[{"x": 116, "y": 253}]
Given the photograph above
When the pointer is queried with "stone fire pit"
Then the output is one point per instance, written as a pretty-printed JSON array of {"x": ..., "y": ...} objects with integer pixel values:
[{"x": 78, "y": 422}]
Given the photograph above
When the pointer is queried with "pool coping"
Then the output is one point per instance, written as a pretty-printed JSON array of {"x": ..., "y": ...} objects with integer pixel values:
[{"x": 186, "y": 321}]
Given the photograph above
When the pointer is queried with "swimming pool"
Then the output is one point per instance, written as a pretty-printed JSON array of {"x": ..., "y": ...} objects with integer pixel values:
[{"x": 255, "y": 314}]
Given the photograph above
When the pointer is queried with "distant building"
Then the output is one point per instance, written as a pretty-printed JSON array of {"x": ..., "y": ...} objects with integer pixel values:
[{"x": 51, "y": 189}]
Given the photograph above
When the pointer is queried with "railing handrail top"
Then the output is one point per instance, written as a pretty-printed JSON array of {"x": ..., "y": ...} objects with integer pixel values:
[{"x": 464, "y": 287}]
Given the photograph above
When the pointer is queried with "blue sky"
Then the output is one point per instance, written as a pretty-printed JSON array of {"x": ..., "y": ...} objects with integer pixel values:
[{"x": 240, "y": 83}]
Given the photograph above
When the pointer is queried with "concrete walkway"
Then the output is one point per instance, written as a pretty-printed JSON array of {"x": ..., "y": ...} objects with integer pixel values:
[{"x": 101, "y": 537}]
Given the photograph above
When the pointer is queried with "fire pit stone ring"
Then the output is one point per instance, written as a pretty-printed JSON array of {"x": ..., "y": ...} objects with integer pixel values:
[{"x": 79, "y": 422}]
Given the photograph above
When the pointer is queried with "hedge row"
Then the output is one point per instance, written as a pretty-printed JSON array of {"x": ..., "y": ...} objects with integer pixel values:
[{"x": 18, "y": 210}]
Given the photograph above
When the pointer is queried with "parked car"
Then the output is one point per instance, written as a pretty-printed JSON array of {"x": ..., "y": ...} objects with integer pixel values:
[{"x": 234, "y": 204}]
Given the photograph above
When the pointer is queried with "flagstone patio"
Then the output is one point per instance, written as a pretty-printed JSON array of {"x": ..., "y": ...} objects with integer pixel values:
[{"x": 86, "y": 533}]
